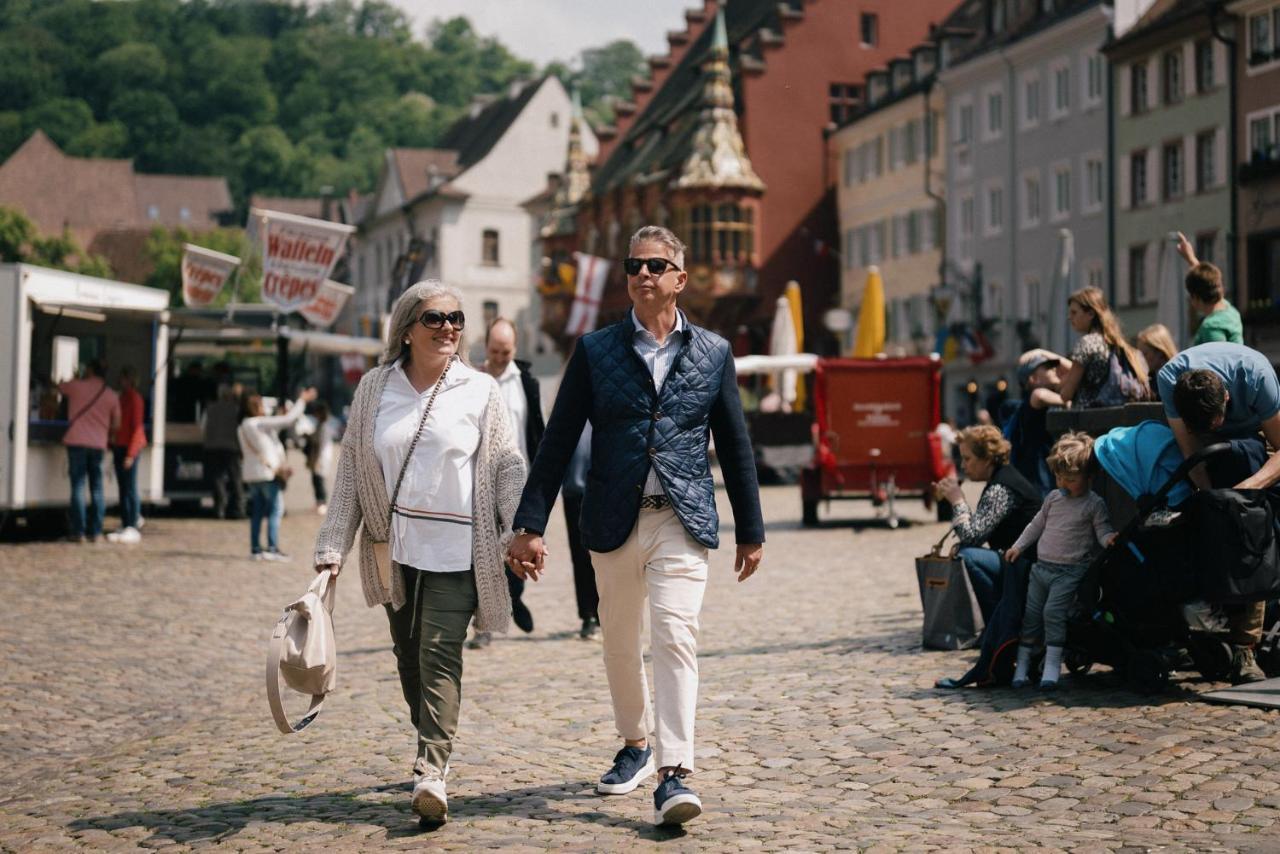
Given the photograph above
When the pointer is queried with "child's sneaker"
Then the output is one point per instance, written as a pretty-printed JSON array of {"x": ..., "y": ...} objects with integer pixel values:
[{"x": 1020, "y": 682}]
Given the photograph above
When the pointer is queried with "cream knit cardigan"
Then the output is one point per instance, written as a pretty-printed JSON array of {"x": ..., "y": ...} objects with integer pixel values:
[{"x": 360, "y": 500}]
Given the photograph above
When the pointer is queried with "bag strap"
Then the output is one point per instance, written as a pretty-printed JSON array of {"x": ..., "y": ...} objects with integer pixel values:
[
  {"x": 936, "y": 551},
  {"x": 275, "y": 652},
  {"x": 404, "y": 467},
  {"x": 88, "y": 405}
]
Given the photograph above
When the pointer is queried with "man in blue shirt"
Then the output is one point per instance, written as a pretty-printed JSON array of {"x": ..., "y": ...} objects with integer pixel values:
[{"x": 1228, "y": 392}]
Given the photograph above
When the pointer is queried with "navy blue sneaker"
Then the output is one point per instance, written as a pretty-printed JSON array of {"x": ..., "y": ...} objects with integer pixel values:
[
  {"x": 630, "y": 767},
  {"x": 674, "y": 802}
]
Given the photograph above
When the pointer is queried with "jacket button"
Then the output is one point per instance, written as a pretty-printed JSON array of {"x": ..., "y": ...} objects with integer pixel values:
[
  {"x": 657, "y": 415},
  {"x": 653, "y": 452}
]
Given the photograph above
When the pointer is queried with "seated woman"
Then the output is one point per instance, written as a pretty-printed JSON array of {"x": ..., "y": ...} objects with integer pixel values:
[
  {"x": 1157, "y": 347},
  {"x": 1092, "y": 381},
  {"x": 1008, "y": 503}
]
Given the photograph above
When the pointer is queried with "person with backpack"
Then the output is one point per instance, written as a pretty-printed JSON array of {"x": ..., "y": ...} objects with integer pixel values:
[
  {"x": 93, "y": 415},
  {"x": 1105, "y": 369},
  {"x": 1223, "y": 392}
]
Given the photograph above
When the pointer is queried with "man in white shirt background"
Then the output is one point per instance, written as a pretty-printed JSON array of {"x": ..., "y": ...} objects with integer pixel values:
[{"x": 524, "y": 403}]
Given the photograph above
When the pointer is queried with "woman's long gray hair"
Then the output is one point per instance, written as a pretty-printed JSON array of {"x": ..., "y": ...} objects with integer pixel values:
[{"x": 405, "y": 313}]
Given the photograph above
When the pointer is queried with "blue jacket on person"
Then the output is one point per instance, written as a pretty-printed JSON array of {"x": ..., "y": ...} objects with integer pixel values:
[{"x": 636, "y": 426}]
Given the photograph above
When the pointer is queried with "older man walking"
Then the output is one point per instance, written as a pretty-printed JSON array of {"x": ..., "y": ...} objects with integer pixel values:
[{"x": 652, "y": 385}]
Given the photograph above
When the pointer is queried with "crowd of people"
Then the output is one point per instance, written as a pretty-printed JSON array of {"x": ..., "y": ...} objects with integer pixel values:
[{"x": 1037, "y": 526}]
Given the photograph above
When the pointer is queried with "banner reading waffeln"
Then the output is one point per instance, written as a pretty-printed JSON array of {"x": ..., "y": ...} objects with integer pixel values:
[
  {"x": 204, "y": 272},
  {"x": 298, "y": 254},
  {"x": 328, "y": 304},
  {"x": 592, "y": 272}
]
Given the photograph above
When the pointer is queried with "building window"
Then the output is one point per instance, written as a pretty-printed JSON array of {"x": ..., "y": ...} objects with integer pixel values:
[
  {"x": 870, "y": 29},
  {"x": 1204, "y": 65},
  {"x": 1093, "y": 76},
  {"x": 1262, "y": 36},
  {"x": 1205, "y": 243},
  {"x": 721, "y": 233},
  {"x": 1094, "y": 275},
  {"x": 1138, "y": 272},
  {"x": 964, "y": 124},
  {"x": 184, "y": 214},
  {"x": 1031, "y": 200},
  {"x": 1206, "y": 156},
  {"x": 1173, "y": 170},
  {"x": 1172, "y": 76},
  {"x": 998, "y": 16},
  {"x": 966, "y": 224},
  {"x": 555, "y": 120},
  {"x": 844, "y": 100},
  {"x": 1138, "y": 87},
  {"x": 931, "y": 133},
  {"x": 489, "y": 247},
  {"x": 995, "y": 114},
  {"x": 1262, "y": 137},
  {"x": 914, "y": 232},
  {"x": 1093, "y": 184},
  {"x": 153, "y": 212},
  {"x": 1138, "y": 178},
  {"x": 1062, "y": 192},
  {"x": 1031, "y": 102},
  {"x": 995, "y": 210},
  {"x": 1061, "y": 90}
]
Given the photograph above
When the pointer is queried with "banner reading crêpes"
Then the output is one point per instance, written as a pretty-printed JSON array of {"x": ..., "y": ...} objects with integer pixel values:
[
  {"x": 204, "y": 272},
  {"x": 328, "y": 304},
  {"x": 298, "y": 254}
]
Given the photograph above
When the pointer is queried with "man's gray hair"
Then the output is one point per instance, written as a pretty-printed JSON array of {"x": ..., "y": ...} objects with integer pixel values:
[
  {"x": 658, "y": 234},
  {"x": 405, "y": 313}
]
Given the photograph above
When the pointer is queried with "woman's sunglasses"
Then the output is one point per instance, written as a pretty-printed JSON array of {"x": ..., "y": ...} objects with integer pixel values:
[
  {"x": 657, "y": 266},
  {"x": 433, "y": 319}
]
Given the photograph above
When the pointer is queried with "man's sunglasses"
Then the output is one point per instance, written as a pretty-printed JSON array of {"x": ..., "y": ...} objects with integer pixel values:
[
  {"x": 657, "y": 266},
  {"x": 433, "y": 319}
]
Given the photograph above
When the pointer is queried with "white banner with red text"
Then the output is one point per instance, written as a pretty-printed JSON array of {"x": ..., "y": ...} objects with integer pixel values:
[
  {"x": 328, "y": 304},
  {"x": 592, "y": 273},
  {"x": 204, "y": 273},
  {"x": 298, "y": 254}
]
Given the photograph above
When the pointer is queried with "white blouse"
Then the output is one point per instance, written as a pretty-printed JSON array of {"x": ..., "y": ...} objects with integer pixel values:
[{"x": 431, "y": 525}]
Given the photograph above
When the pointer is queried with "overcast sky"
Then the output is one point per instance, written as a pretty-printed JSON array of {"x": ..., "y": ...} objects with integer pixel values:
[{"x": 543, "y": 30}]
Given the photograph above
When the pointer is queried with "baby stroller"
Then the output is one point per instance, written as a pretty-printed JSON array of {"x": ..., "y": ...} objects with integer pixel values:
[{"x": 1133, "y": 605}]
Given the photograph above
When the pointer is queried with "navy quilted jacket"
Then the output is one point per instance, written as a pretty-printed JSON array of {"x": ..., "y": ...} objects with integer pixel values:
[{"x": 635, "y": 426}]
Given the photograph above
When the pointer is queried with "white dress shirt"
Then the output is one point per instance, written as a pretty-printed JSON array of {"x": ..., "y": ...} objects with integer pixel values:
[
  {"x": 517, "y": 405},
  {"x": 658, "y": 358},
  {"x": 431, "y": 524}
]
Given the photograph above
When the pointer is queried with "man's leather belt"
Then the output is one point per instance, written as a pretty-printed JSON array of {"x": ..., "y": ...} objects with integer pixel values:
[{"x": 655, "y": 502}]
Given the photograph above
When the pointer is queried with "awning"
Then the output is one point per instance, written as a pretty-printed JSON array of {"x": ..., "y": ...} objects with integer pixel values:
[{"x": 747, "y": 365}]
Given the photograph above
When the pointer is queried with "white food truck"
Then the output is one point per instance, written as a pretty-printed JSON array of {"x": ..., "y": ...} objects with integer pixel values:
[{"x": 52, "y": 322}]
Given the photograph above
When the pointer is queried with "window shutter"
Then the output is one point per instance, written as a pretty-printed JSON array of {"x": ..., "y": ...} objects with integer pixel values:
[
  {"x": 1190, "y": 179},
  {"x": 1189, "y": 68},
  {"x": 1123, "y": 296},
  {"x": 1220, "y": 164},
  {"x": 1122, "y": 183},
  {"x": 1221, "y": 71},
  {"x": 1125, "y": 75},
  {"x": 1154, "y": 188}
]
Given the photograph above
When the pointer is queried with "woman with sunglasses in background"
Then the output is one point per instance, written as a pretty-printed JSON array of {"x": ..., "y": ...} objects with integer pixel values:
[{"x": 430, "y": 466}]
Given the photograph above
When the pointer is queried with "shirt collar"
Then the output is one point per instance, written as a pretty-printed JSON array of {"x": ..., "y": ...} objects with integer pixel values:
[
  {"x": 639, "y": 329},
  {"x": 512, "y": 371},
  {"x": 457, "y": 373}
]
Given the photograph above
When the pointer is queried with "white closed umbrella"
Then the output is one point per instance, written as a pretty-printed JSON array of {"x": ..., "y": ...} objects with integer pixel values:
[
  {"x": 1064, "y": 285},
  {"x": 1172, "y": 296},
  {"x": 782, "y": 342}
]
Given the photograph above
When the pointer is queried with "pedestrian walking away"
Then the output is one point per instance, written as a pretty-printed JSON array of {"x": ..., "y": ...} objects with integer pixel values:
[
  {"x": 93, "y": 415},
  {"x": 430, "y": 470},
  {"x": 523, "y": 397},
  {"x": 126, "y": 445},
  {"x": 266, "y": 470},
  {"x": 222, "y": 459},
  {"x": 653, "y": 386}
]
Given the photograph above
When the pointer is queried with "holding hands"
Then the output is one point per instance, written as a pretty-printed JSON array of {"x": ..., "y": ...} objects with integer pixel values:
[{"x": 527, "y": 556}]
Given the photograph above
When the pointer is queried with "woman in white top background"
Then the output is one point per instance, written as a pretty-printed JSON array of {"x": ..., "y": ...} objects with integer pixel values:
[
  {"x": 263, "y": 466},
  {"x": 438, "y": 428}
]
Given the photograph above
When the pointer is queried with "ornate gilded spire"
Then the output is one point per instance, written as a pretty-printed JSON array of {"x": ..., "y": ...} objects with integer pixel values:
[
  {"x": 719, "y": 157},
  {"x": 577, "y": 177}
]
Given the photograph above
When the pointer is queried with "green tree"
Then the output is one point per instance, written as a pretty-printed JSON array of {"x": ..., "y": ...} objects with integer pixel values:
[
  {"x": 63, "y": 119},
  {"x": 22, "y": 243},
  {"x": 154, "y": 127},
  {"x": 605, "y": 76},
  {"x": 164, "y": 249},
  {"x": 108, "y": 139}
]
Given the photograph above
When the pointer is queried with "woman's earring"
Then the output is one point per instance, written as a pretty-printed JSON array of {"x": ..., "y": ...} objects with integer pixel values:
[{"x": 406, "y": 340}]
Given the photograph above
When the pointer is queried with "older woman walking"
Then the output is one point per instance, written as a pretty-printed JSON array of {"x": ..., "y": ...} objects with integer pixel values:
[{"x": 430, "y": 467}]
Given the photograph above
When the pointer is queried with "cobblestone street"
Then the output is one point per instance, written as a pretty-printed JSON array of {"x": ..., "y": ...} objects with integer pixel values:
[{"x": 132, "y": 715}]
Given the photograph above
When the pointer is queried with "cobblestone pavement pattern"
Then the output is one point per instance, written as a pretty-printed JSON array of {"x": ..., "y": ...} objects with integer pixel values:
[{"x": 132, "y": 715}]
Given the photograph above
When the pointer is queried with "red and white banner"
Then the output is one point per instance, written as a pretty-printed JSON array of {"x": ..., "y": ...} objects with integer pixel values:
[
  {"x": 592, "y": 272},
  {"x": 298, "y": 254},
  {"x": 204, "y": 272},
  {"x": 328, "y": 304}
]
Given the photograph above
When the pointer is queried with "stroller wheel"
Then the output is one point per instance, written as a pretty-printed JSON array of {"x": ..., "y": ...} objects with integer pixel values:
[
  {"x": 1147, "y": 671},
  {"x": 1212, "y": 656},
  {"x": 1078, "y": 662}
]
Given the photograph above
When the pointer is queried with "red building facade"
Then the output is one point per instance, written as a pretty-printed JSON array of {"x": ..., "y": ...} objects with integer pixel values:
[{"x": 750, "y": 192}]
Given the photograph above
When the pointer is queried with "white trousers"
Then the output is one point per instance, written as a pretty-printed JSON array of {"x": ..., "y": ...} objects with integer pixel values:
[{"x": 662, "y": 563}]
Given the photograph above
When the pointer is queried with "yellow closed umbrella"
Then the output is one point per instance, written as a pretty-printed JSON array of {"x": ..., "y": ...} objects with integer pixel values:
[
  {"x": 870, "y": 337},
  {"x": 797, "y": 320}
]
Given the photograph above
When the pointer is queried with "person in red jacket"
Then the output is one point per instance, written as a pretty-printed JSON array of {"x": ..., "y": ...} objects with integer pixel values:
[{"x": 126, "y": 447}]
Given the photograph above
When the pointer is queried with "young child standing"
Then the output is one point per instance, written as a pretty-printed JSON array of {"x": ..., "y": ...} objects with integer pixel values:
[{"x": 1066, "y": 532}]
